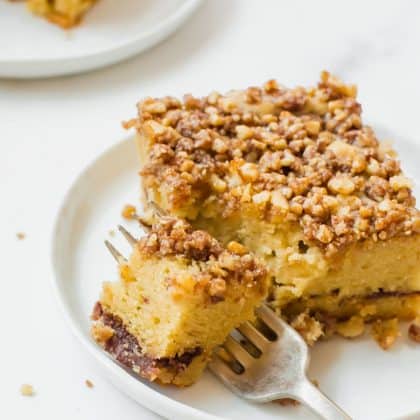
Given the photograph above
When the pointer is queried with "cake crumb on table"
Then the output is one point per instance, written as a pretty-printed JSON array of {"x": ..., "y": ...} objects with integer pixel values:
[
  {"x": 129, "y": 212},
  {"x": 111, "y": 232},
  {"x": 21, "y": 235},
  {"x": 27, "y": 390},
  {"x": 89, "y": 383}
]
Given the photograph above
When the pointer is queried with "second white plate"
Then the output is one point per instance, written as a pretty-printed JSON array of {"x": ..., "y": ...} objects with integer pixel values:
[
  {"x": 366, "y": 381},
  {"x": 110, "y": 32}
]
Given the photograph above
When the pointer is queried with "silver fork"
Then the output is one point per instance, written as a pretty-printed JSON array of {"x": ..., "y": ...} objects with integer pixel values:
[
  {"x": 263, "y": 369},
  {"x": 278, "y": 371}
]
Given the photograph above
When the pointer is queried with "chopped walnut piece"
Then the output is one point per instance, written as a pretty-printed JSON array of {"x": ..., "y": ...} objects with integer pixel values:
[
  {"x": 173, "y": 236},
  {"x": 129, "y": 212},
  {"x": 27, "y": 390},
  {"x": 398, "y": 182},
  {"x": 385, "y": 332},
  {"x": 341, "y": 184}
]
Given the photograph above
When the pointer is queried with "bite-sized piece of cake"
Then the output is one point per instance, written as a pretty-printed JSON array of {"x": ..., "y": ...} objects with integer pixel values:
[
  {"x": 295, "y": 176},
  {"x": 178, "y": 297},
  {"x": 65, "y": 13}
]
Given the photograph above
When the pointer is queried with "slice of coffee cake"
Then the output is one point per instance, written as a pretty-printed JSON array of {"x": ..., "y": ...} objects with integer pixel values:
[
  {"x": 296, "y": 177},
  {"x": 178, "y": 297}
]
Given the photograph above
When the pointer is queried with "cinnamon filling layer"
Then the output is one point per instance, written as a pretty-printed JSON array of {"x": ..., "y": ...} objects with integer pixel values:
[{"x": 124, "y": 347}]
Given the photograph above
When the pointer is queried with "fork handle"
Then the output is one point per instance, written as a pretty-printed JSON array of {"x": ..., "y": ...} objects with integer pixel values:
[{"x": 319, "y": 403}]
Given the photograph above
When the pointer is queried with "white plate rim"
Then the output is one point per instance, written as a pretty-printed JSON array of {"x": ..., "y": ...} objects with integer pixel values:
[
  {"x": 42, "y": 67},
  {"x": 154, "y": 400}
]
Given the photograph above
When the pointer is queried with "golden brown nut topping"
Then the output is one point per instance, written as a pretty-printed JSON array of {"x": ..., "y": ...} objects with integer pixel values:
[
  {"x": 172, "y": 236},
  {"x": 175, "y": 237},
  {"x": 299, "y": 154}
]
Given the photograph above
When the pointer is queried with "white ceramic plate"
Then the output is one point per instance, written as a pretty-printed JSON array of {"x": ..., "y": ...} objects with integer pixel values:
[
  {"x": 368, "y": 382},
  {"x": 33, "y": 47}
]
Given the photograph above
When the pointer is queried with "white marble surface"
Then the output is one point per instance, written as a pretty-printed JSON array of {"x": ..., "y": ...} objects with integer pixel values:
[{"x": 51, "y": 128}]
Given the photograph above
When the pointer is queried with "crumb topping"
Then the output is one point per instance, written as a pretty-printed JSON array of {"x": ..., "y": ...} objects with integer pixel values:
[
  {"x": 302, "y": 155},
  {"x": 172, "y": 236}
]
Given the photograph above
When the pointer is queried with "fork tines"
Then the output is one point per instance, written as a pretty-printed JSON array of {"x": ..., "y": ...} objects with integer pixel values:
[
  {"x": 118, "y": 256},
  {"x": 247, "y": 351}
]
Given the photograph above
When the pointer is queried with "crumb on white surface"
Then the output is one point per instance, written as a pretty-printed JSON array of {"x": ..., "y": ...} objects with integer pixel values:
[
  {"x": 27, "y": 390},
  {"x": 129, "y": 212},
  {"x": 89, "y": 383},
  {"x": 21, "y": 235}
]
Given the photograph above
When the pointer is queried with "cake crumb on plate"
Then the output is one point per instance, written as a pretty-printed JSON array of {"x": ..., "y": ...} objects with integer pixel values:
[
  {"x": 129, "y": 212},
  {"x": 21, "y": 235}
]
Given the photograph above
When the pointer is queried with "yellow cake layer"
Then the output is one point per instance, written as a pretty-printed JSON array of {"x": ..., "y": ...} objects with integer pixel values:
[
  {"x": 171, "y": 320},
  {"x": 298, "y": 269}
]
